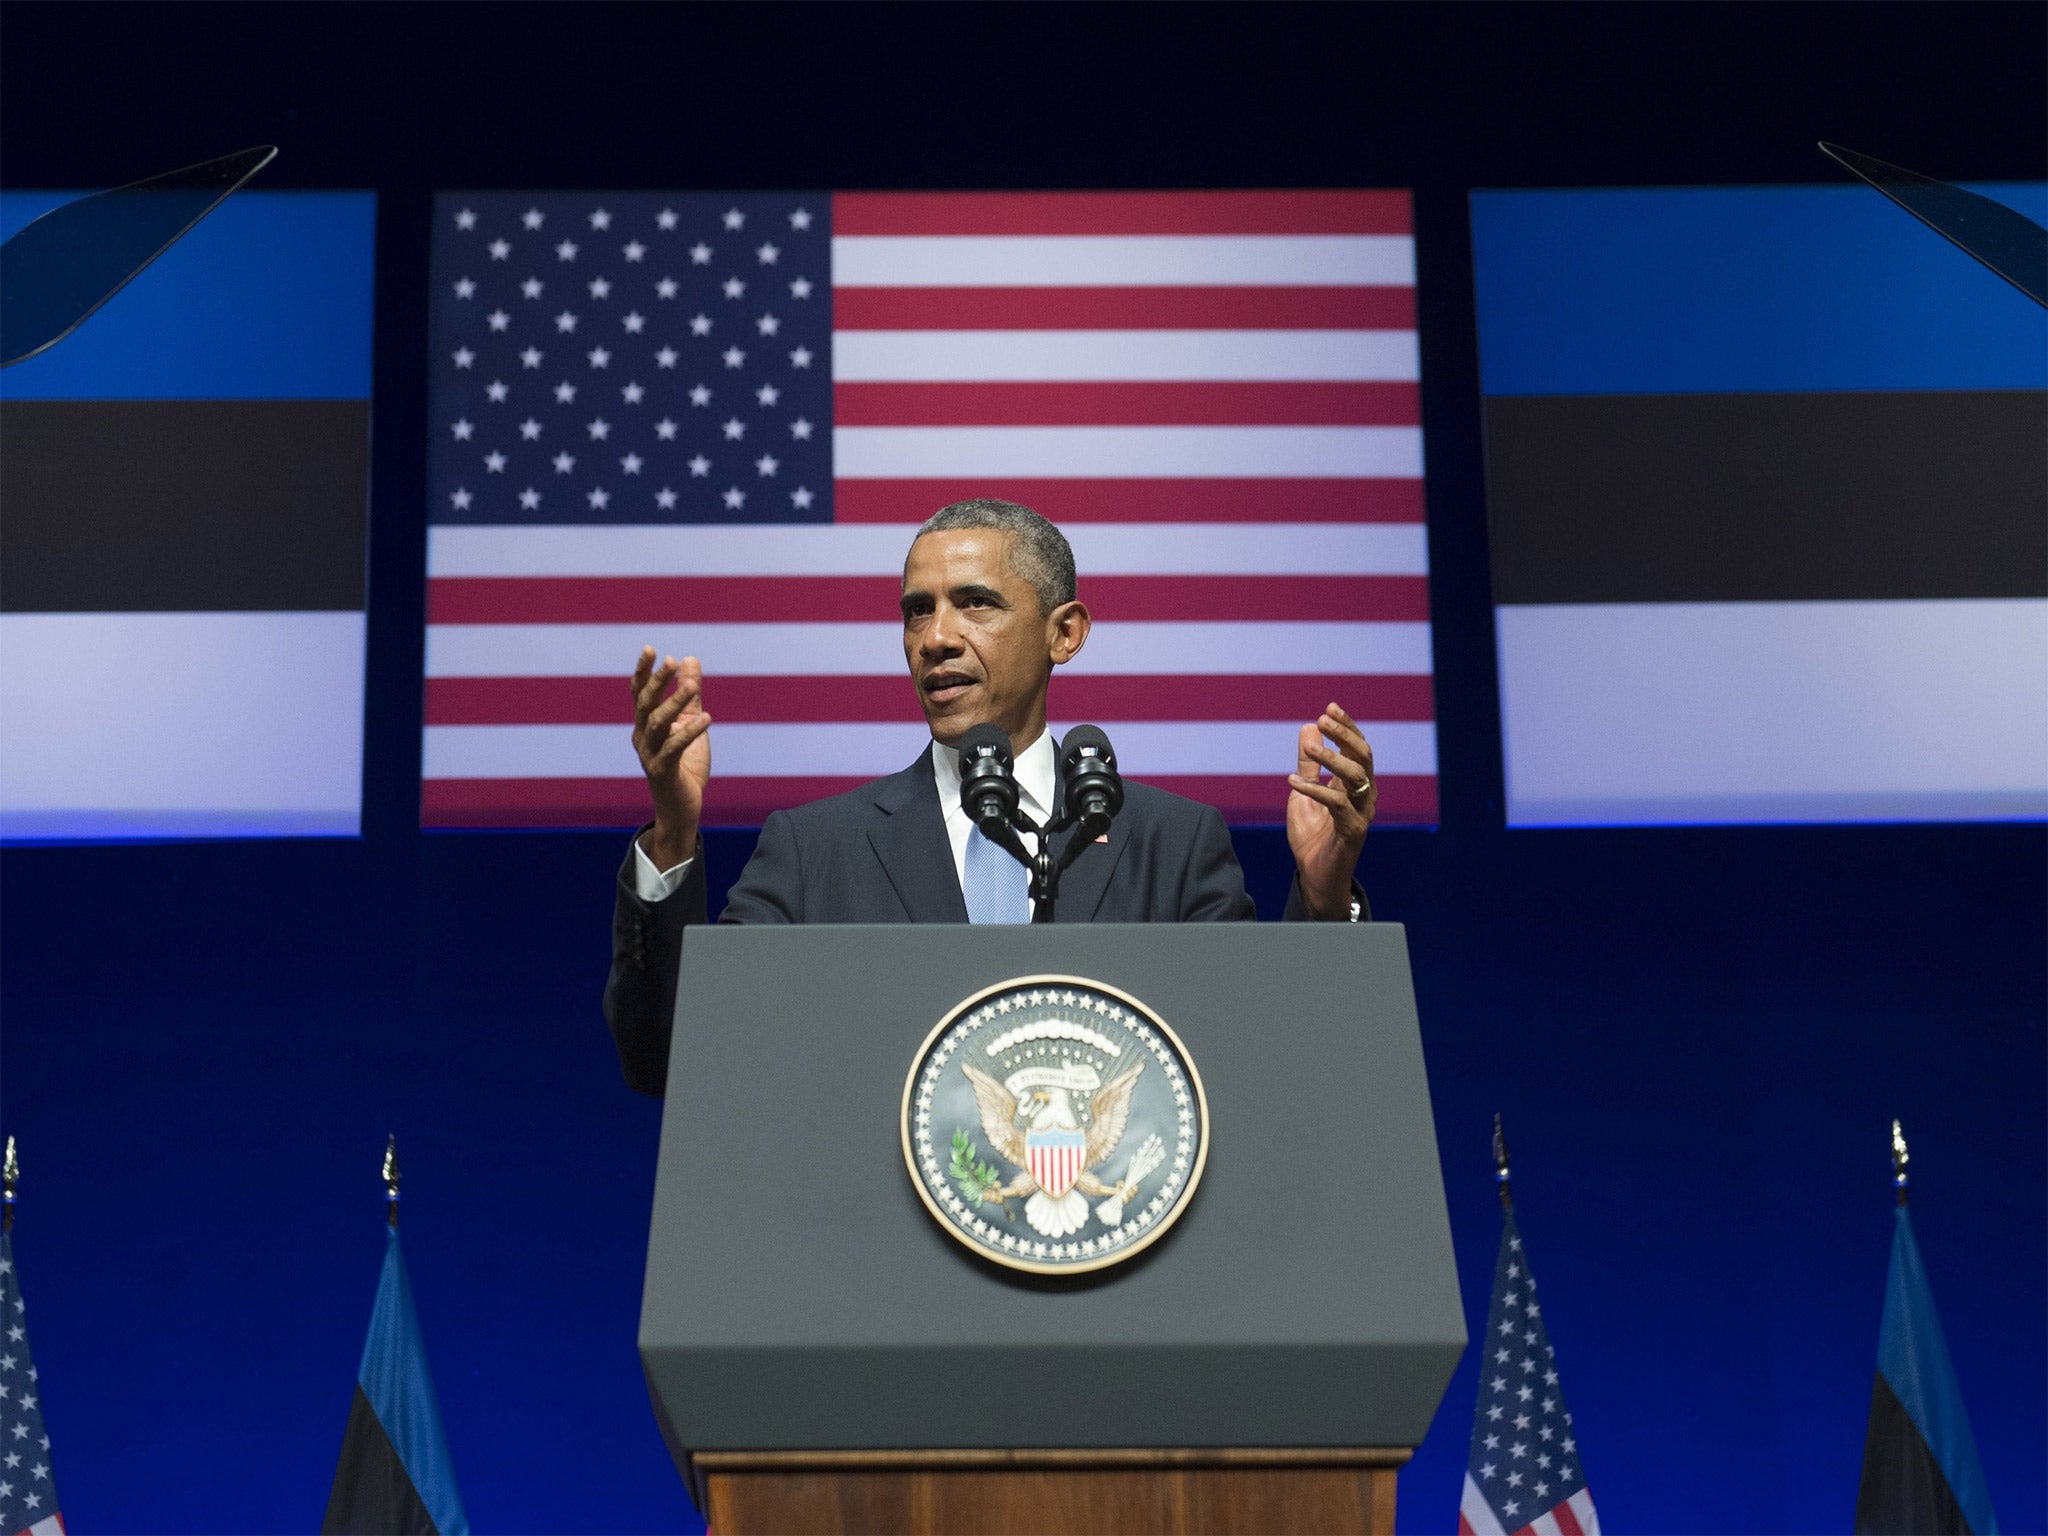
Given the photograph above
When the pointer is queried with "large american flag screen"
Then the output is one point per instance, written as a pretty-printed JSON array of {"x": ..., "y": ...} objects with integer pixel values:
[{"x": 710, "y": 422}]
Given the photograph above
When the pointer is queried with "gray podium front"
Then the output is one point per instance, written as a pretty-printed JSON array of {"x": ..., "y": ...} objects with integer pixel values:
[{"x": 809, "y": 1331}]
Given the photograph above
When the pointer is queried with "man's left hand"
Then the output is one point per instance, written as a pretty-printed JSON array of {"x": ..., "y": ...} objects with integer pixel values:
[{"x": 1327, "y": 818}]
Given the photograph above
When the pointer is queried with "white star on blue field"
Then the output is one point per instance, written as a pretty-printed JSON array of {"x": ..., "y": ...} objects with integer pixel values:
[{"x": 636, "y": 358}]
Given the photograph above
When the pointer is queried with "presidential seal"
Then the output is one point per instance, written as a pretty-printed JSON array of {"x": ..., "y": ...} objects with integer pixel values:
[{"x": 1054, "y": 1124}]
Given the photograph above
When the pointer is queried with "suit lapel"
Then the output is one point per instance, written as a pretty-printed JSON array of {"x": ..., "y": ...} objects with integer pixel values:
[
  {"x": 909, "y": 837},
  {"x": 1087, "y": 878}
]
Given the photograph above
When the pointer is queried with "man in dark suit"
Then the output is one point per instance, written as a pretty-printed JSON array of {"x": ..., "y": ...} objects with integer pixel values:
[{"x": 989, "y": 609}]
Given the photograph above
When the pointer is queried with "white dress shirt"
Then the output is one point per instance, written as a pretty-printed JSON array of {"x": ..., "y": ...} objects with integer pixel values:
[{"x": 1036, "y": 775}]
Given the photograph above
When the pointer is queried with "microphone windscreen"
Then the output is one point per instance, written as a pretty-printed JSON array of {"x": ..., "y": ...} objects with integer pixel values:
[
  {"x": 987, "y": 740},
  {"x": 1082, "y": 738}
]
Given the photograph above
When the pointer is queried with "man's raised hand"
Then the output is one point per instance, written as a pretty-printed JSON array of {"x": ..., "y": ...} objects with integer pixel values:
[
  {"x": 1327, "y": 819},
  {"x": 671, "y": 736}
]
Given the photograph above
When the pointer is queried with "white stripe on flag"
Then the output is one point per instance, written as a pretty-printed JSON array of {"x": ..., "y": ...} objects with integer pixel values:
[
  {"x": 869, "y": 749},
  {"x": 1771, "y": 712},
  {"x": 727, "y": 650},
  {"x": 1582, "y": 1506},
  {"x": 1144, "y": 261},
  {"x": 1180, "y": 650},
  {"x": 548, "y": 549},
  {"x": 244, "y": 724},
  {"x": 1254, "y": 746},
  {"x": 1102, "y": 453},
  {"x": 1476, "y": 1512},
  {"x": 876, "y": 650},
  {"x": 1069, "y": 356},
  {"x": 877, "y": 549}
]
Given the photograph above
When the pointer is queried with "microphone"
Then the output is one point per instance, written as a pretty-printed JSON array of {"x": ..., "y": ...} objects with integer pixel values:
[
  {"x": 988, "y": 780},
  {"x": 1094, "y": 789}
]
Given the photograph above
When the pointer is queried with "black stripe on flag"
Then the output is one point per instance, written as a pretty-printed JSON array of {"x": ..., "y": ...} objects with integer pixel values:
[
  {"x": 1904, "y": 1491},
  {"x": 1768, "y": 497},
  {"x": 183, "y": 506},
  {"x": 373, "y": 1493}
]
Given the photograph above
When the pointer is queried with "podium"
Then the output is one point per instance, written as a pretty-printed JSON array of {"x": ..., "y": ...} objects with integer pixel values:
[{"x": 824, "y": 1355}]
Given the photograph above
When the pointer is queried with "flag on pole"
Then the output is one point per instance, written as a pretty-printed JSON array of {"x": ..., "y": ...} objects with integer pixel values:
[
  {"x": 1524, "y": 1473},
  {"x": 1920, "y": 1467},
  {"x": 395, "y": 1475},
  {"x": 711, "y": 422},
  {"x": 28, "y": 1493}
]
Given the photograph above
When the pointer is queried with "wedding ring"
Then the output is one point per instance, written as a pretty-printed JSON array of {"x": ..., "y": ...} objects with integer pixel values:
[{"x": 1357, "y": 795}]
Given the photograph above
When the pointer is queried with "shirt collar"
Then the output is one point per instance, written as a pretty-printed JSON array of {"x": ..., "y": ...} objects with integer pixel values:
[{"x": 1035, "y": 776}]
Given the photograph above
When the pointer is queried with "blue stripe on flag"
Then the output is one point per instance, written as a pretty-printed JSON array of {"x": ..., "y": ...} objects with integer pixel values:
[
  {"x": 400, "y": 1390},
  {"x": 1714, "y": 290},
  {"x": 268, "y": 298},
  {"x": 1912, "y": 1355}
]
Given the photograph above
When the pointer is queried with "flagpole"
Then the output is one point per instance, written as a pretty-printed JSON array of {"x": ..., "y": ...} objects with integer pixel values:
[
  {"x": 10, "y": 1172},
  {"x": 394, "y": 1471},
  {"x": 1900, "y": 1177},
  {"x": 1514, "y": 1480},
  {"x": 390, "y": 1177}
]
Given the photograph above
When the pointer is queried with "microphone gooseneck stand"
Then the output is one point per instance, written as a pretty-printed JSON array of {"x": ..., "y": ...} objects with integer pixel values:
[{"x": 1093, "y": 794}]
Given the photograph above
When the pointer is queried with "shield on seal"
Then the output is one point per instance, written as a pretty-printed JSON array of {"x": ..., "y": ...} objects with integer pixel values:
[{"x": 1055, "y": 1158}]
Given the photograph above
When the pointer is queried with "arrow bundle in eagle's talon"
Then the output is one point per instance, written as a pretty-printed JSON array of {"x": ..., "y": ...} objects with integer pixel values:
[{"x": 1143, "y": 1161}]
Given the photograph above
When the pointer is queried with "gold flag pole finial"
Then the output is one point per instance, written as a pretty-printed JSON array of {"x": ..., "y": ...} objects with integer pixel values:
[
  {"x": 11, "y": 1173},
  {"x": 1500, "y": 1163},
  {"x": 391, "y": 1176},
  {"x": 1900, "y": 1177}
]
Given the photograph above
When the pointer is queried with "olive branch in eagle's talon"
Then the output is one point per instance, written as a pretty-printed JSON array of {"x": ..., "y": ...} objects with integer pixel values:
[{"x": 980, "y": 1182}]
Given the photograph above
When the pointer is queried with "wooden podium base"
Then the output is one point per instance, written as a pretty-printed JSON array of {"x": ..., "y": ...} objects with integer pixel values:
[{"x": 996, "y": 1493}]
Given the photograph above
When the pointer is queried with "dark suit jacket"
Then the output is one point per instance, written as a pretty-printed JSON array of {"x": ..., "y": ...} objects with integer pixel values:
[{"x": 879, "y": 854}]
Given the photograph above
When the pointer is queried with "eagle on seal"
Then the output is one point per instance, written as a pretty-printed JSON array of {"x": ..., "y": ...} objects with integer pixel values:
[{"x": 1008, "y": 1124}]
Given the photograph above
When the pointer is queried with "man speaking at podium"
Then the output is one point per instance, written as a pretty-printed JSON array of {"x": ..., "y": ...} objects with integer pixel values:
[{"x": 989, "y": 609}]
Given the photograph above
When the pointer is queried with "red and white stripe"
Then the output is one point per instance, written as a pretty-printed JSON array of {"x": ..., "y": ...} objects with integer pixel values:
[
  {"x": 1576, "y": 1516},
  {"x": 1127, "y": 357},
  {"x": 1055, "y": 1167},
  {"x": 1214, "y": 394}
]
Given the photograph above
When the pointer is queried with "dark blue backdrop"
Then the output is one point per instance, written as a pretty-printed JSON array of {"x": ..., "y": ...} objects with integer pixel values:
[{"x": 1698, "y": 1037}]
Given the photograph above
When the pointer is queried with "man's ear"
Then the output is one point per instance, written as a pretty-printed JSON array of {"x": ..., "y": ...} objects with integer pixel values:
[{"x": 1066, "y": 631}]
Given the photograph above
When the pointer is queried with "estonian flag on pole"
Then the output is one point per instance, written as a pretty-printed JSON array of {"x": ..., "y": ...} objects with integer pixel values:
[
  {"x": 395, "y": 1475},
  {"x": 1920, "y": 1468}
]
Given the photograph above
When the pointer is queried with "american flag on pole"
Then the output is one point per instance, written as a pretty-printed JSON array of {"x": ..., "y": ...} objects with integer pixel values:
[
  {"x": 1524, "y": 1474},
  {"x": 711, "y": 423},
  {"x": 28, "y": 1492}
]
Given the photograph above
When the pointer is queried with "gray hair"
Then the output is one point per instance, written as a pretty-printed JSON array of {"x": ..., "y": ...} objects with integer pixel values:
[{"x": 1039, "y": 552}]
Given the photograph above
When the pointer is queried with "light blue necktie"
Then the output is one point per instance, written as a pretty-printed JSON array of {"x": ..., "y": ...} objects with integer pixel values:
[{"x": 997, "y": 888}]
